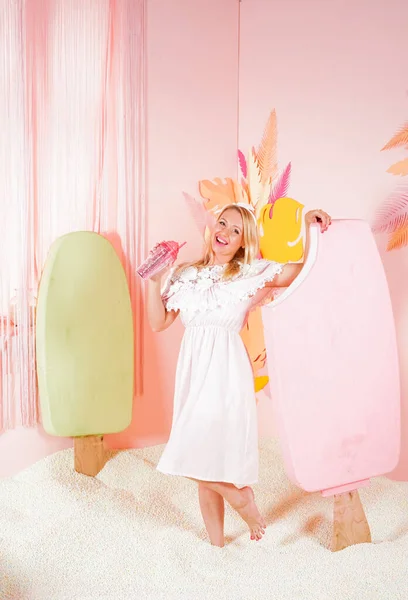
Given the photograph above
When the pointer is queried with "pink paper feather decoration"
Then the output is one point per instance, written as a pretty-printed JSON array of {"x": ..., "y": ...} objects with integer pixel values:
[
  {"x": 202, "y": 218},
  {"x": 392, "y": 215},
  {"x": 242, "y": 164},
  {"x": 281, "y": 187}
]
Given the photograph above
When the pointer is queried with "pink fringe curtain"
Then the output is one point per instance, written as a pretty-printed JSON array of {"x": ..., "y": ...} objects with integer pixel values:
[{"x": 72, "y": 157}]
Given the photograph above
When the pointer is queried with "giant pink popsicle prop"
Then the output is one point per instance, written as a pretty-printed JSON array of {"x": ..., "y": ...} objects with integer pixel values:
[{"x": 333, "y": 367}]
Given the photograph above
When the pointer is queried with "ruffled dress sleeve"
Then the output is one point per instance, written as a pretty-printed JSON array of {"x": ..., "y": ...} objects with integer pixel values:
[{"x": 251, "y": 285}]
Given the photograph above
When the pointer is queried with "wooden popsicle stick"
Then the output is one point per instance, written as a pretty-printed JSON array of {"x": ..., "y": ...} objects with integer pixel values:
[
  {"x": 350, "y": 524},
  {"x": 90, "y": 454}
]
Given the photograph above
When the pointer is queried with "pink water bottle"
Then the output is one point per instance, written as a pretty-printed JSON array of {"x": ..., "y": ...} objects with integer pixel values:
[{"x": 162, "y": 256}]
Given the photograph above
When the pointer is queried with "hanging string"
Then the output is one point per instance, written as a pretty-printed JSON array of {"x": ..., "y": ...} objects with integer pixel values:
[{"x": 72, "y": 74}]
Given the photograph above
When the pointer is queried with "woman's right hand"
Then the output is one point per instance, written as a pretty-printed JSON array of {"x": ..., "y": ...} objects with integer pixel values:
[{"x": 157, "y": 278}]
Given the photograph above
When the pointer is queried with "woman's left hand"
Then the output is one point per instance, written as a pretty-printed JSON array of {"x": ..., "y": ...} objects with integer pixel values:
[{"x": 318, "y": 216}]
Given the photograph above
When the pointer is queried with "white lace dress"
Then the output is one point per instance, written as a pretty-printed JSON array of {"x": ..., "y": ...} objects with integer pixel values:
[{"x": 214, "y": 435}]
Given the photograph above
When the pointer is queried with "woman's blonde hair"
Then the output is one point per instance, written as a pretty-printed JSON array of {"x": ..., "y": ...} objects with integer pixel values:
[{"x": 244, "y": 255}]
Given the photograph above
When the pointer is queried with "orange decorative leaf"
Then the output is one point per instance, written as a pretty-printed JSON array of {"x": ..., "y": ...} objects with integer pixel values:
[
  {"x": 220, "y": 192},
  {"x": 267, "y": 152},
  {"x": 399, "y": 239},
  {"x": 253, "y": 337},
  {"x": 399, "y": 168},
  {"x": 393, "y": 213},
  {"x": 399, "y": 139}
]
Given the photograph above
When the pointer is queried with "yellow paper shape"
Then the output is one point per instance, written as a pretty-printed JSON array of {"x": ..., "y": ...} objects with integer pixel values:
[
  {"x": 280, "y": 236},
  {"x": 261, "y": 382}
]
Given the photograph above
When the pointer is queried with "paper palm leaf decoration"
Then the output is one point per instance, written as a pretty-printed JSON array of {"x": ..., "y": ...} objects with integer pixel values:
[
  {"x": 399, "y": 139},
  {"x": 392, "y": 216},
  {"x": 267, "y": 151},
  {"x": 255, "y": 187},
  {"x": 244, "y": 185},
  {"x": 399, "y": 168},
  {"x": 280, "y": 188},
  {"x": 242, "y": 164},
  {"x": 393, "y": 213},
  {"x": 220, "y": 192},
  {"x": 202, "y": 217},
  {"x": 398, "y": 239}
]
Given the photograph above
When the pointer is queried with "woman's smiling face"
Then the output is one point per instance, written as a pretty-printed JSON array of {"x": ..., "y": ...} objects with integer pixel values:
[{"x": 227, "y": 236}]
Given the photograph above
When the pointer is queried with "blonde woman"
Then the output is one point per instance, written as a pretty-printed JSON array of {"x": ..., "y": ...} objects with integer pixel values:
[{"x": 214, "y": 437}]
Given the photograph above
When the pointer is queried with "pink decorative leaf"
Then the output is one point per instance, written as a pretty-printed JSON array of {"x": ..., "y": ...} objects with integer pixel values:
[
  {"x": 242, "y": 164},
  {"x": 281, "y": 187},
  {"x": 210, "y": 219},
  {"x": 393, "y": 213},
  {"x": 201, "y": 216}
]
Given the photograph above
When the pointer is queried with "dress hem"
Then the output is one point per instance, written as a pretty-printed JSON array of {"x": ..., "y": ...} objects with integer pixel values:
[{"x": 238, "y": 485}]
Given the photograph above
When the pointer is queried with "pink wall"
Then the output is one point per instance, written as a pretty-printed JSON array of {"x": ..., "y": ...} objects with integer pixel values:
[
  {"x": 333, "y": 71},
  {"x": 21, "y": 447},
  {"x": 336, "y": 74}
]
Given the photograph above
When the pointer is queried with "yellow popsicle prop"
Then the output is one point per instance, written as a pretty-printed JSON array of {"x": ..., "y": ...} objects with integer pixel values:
[
  {"x": 280, "y": 236},
  {"x": 280, "y": 240},
  {"x": 84, "y": 345}
]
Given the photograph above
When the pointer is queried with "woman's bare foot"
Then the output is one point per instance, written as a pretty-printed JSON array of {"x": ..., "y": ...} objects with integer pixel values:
[
  {"x": 243, "y": 501},
  {"x": 248, "y": 510}
]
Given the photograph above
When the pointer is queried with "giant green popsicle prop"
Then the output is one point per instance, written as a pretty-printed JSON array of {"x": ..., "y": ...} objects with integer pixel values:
[{"x": 84, "y": 346}]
